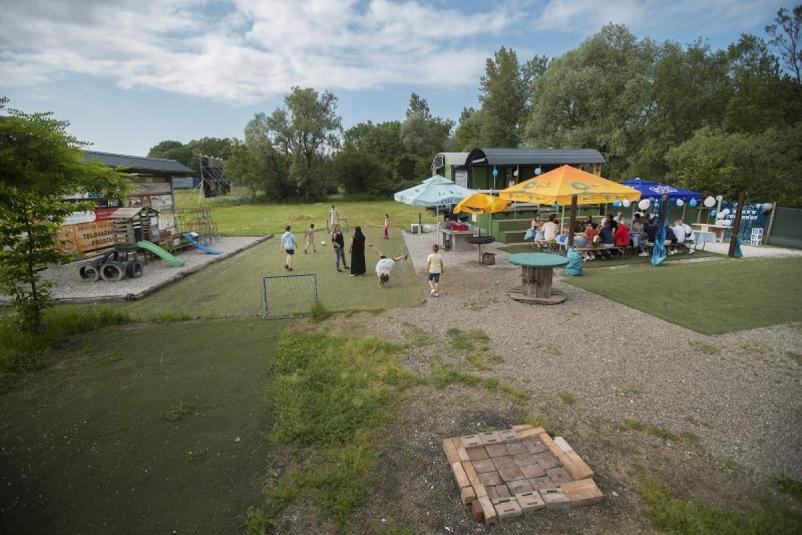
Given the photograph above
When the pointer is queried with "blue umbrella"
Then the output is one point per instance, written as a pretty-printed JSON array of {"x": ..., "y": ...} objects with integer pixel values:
[{"x": 656, "y": 189}]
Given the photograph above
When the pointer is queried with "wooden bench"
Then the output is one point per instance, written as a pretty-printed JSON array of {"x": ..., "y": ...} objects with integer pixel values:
[
  {"x": 621, "y": 250},
  {"x": 511, "y": 233}
]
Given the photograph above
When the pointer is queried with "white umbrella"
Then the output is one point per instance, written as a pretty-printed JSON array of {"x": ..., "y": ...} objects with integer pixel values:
[{"x": 433, "y": 193}]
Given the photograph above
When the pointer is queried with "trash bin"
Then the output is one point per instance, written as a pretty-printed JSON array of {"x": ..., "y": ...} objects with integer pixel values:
[{"x": 489, "y": 259}]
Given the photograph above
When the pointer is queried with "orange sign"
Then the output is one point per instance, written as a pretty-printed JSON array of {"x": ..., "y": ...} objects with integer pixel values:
[{"x": 85, "y": 237}]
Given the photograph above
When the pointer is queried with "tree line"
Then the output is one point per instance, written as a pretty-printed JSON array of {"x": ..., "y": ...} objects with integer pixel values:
[{"x": 718, "y": 121}]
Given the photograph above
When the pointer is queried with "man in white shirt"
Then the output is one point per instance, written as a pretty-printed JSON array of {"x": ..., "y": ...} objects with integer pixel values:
[
  {"x": 385, "y": 266},
  {"x": 550, "y": 229},
  {"x": 690, "y": 239},
  {"x": 289, "y": 245}
]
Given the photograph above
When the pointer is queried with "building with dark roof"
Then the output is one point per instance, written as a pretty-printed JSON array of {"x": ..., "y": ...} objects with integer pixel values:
[
  {"x": 516, "y": 165},
  {"x": 152, "y": 177}
]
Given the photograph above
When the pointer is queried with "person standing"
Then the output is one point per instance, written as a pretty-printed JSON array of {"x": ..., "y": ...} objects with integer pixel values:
[
  {"x": 338, "y": 243},
  {"x": 434, "y": 268},
  {"x": 334, "y": 218},
  {"x": 357, "y": 251},
  {"x": 289, "y": 245},
  {"x": 386, "y": 226},
  {"x": 310, "y": 239}
]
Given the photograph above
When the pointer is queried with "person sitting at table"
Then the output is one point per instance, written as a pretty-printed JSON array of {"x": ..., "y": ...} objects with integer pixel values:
[
  {"x": 621, "y": 236},
  {"x": 607, "y": 237},
  {"x": 609, "y": 218},
  {"x": 447, "y": 222},
  {"x": 592, "y": 236},
  {"x": 651, "y": 230},
  {"x": 619, "y": 218},
  {"x": 534, "y": 229},
  {"x": 550, "y": 229},
  {"x": 690, "y": 238}
]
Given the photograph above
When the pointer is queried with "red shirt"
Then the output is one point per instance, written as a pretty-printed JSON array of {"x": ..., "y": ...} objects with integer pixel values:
[{"x": 621, "y": 235}]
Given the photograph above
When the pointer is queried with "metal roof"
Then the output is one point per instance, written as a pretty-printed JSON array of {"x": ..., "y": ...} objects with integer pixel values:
[
  {"x": 139, "y": 164},
  {"x": 533, "y": 156},
  {"x": 442, "y": 159}
]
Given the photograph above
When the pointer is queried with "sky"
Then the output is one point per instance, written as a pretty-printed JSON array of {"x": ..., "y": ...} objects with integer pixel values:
[{"x": 130, "y": 73}]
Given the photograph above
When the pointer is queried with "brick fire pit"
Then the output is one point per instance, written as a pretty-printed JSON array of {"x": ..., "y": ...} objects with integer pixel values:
[{"x": 504, "y": 474}]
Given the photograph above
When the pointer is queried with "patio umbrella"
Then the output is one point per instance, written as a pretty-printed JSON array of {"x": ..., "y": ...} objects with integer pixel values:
[
  {"x": 482, "y": 203},
  {"x": 568, "y": 185},
  {"x": 656, "y": 189},
  {"x": 434, "y": 194}
]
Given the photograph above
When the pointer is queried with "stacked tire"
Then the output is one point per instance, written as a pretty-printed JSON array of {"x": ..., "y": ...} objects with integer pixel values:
[{"x": 110, "y": 270}]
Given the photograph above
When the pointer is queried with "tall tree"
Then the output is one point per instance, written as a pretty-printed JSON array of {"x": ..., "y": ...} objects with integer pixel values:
[
  {"x": 423, "y": 135},
  {"x": 503, "y": 96},
  {"x": 786, "y": 35},
  {"x": 468, "y": 135},
  {"x": 40, "y": 165}
]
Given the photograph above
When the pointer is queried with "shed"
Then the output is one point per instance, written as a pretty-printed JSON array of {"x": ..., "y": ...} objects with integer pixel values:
[
  {"x": 526, "y": 161},
  {"x": 130, "y": 225},
  {"x": 452, "y": 166}
]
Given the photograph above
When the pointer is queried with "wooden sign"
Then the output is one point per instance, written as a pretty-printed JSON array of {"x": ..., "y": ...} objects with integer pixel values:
[{"x": 85, "y": 237}]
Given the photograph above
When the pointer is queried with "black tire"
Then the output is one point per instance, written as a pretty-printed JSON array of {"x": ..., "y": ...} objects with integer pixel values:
[
  {"x": 89, "y": 272},
  {"x": 134, "y": 269},
  {"x": 112, "y": 272}
]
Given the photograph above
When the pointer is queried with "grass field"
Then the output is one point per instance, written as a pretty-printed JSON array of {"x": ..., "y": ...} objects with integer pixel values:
[
  {"x": 709, "y": 297},
  {"x": 232, "y": 287},
  {"x": 140, "y": 429},
  {"x": 242, "y": 219}
]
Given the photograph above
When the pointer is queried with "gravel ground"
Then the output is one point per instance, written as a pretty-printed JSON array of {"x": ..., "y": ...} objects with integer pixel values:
[
  {"x": 420, "y": 246},
  {"x": 70, "y": 288},
  {"x": 735, "y": 397},
  {"x": 738, "y": 392}
]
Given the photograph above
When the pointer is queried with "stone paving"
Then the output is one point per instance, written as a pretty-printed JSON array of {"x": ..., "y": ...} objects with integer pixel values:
[{"x": 504, "y": 474}]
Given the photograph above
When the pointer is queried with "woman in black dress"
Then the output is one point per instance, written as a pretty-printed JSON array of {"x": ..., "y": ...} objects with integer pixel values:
[{"x": 357, "y": 250}]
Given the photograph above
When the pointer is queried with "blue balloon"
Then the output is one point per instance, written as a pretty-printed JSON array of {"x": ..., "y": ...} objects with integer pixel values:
[
  {"x": 616, "y": 203},
  {"x": 693, "y": 203},
  {"x": 495, "y": 172},
  {"x": 713, "y": 212}
]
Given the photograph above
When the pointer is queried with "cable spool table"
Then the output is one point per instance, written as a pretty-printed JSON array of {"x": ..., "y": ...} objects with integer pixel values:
[{"x": 537, "y": 270}]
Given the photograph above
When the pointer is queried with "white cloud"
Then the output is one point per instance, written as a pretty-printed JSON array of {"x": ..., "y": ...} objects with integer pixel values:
[
  {"x": 255, "y": 50},
  {"x": 682, "y": 16}
]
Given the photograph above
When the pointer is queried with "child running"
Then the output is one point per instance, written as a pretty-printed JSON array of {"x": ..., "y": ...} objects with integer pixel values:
[
  {"x": 289, "y": 245},
  {"x": 434, "y": 268},
  {"x": 386, "y": 226},
  {"x": 385, "y": 266},
  {"x": 310, "y": 239}
]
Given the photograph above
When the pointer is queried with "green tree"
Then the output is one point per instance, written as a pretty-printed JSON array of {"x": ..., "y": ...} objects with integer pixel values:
[
  {"x": 767, "y": 166},
  {"x": 189, "y": 154},
  {"x": 502, "y": 93},
  {"x": 423, "y": 136},
  {"x": 173, "y": 150},
  {"x": 309, "y": 127},
  {"x": 468, "y": 135},
  {"x": 243, "y": 167},
  {"x": 786, "y": 37},
  {"x": 40, "y": 165}
]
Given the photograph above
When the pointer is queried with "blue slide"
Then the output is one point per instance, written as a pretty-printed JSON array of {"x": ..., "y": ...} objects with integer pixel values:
[{"x": 205, "y": 248}]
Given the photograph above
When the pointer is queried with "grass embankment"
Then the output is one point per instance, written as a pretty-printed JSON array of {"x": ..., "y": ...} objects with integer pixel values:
[
  {"x": 708, "y": 297},
  {"x": 330, "y": 397},
  {"x": 674, "y": 515},
  {"x": 140, "y": 428}
]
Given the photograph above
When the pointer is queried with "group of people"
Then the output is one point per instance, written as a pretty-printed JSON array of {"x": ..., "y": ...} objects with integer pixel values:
[
  {"x": 605, "y": 239},
  {"x": 356, "y": 249}
]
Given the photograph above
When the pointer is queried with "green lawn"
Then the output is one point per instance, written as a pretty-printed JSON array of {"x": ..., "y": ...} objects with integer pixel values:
[
  {"x": 708, "y": 297},
  {"x": 242, "y": 219},
  {"x": 233, "y": 287},
  {"x": 140, "y": 429},
  {"x": 630, "y": 259}
]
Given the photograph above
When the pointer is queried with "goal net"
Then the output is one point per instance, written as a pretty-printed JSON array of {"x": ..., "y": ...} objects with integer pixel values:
[{"x": 288, "y": 296}]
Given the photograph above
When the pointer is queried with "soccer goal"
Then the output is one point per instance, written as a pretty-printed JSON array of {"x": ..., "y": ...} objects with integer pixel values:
[
  {"x": 288, "y": 296},
  {"x": 343, "y": 222}
]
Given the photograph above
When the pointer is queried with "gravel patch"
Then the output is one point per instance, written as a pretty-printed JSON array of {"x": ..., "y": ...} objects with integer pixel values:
[
  {"x": 737, "y": 392},
  {"x": 420, "y": 246},
  {"x": 70, "y": 288},
  {"x": 752, "y": 251}
]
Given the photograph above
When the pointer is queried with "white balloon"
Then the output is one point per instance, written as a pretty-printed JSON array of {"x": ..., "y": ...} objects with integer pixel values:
[
  {"x": 719, "y": 198},
  {"x": 538, "y": 170},
  {"x": 680, "y": 202},
  {"x": 644, "y": 204},
  {"x": 626, "y": 203},
  {"x": 767, "y": 207},
  {"x": 725, "y": 211},
  {"x": 728, "y": 222},
  {"x": 710, "y": 202}
]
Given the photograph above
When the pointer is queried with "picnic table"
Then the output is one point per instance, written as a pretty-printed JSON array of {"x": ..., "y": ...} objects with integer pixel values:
[
  {"x": 717, "y": 230},
  {"x": 458, "y": 238},
  {"x": 537, "y": 270}
]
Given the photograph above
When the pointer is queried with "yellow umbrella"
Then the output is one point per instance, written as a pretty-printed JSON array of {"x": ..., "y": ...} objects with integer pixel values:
[
  {"x": 559, "y": 185},
  {"x": 481, "y": 203}
]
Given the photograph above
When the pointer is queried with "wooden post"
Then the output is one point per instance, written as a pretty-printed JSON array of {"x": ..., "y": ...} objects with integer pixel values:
[
  {"x": 572, "y": 222},
  {"x": 736, "y": 226},
  {"x": 767, "y": 235}
]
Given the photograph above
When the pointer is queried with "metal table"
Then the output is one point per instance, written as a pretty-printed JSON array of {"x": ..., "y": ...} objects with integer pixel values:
[
  {"x": 537, "y": 270},
  {"x": 457, "y": 238}
]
